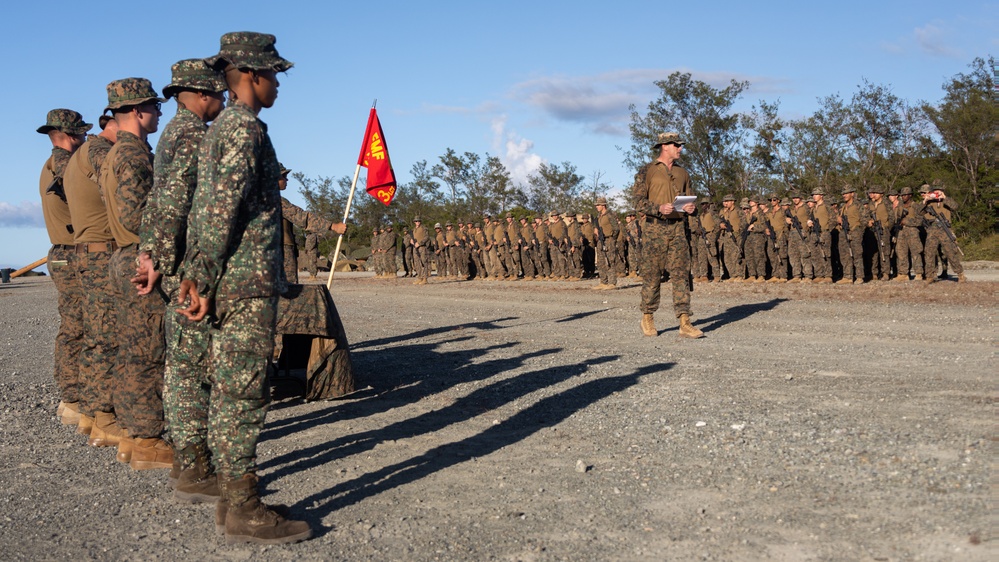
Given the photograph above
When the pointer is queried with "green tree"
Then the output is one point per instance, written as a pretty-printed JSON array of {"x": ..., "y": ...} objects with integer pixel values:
[
  {"x": 555, "y": 187},
  {"x": 703, "y": 116}
]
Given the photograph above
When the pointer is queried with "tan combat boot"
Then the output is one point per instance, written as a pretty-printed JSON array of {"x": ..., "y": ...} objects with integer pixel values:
[
  {"x": 247, "y": 519},
  {"x": 197, "y": 483},
  {"x": 70, "y": 414},
  {"x": 649, "y": 325},
  {"x": 106, "y": 431},
  {"x": 687, "y": 330},
  {"x": 86, "y": 424},
  {"x": 125, "y": 445},
  {"x": 149, "y": 453}
]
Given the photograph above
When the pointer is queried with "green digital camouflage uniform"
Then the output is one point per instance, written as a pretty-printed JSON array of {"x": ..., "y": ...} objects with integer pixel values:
[
  {"x": 187, "y": 377},
  {"x": 94, "y": 247},
  {"x": 62, "y": 262},
  {"x": 126, "y": 180},
  {"x": 665, "y": 242},
  {"x": 235, "y": 255}
]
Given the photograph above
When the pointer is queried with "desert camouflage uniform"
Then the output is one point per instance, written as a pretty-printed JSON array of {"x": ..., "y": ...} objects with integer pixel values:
[
  {"x": 882, "y": 218},
  {"x": 235, "y": 255},
  {"x": 607, "y": 258},
  {"x": 756, "y": 244},
  {"x": 937, "y": 239},
  {"x": 729, "y": 244},
  {"x": 777, "y": 245},
  {"x": 292, "y": 214},
  {"x": 851, "y": 243},
  {"x": 94, "y": 246},
  {"x": 126, "y": 179},
  {"x": 799, "y": 244},
  {"x": 421, "y": 253},
  {"x": 310, "y": 257},
  {"x": 665, "y": 244},
  {"x": 908, "y": 241},
  {"x": 163, "y": 235},
  {"x": 822, "y": 242},
  {"x": 62, "y": 264}
]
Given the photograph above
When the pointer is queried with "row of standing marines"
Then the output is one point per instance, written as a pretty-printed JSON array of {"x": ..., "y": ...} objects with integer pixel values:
[{"x": 198, "y": 224}]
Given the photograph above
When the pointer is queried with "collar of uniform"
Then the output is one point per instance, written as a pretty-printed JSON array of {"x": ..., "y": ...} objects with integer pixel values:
[{"x": 242, "y": 107}]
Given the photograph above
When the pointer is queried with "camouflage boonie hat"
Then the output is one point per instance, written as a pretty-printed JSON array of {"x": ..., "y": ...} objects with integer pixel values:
[
  {"x": 448, "y": 223},
  {"x": 892, "y": 192},
  {"x": 744, "y": 204},
  {"x": 600, "y": 201},
  {"x": 581, "y": 216},
  {"x": 284, "y": 171},
  {"x": 248, "y": 49},
  {"x": 705, "y": 200},
  {"x": 668, "y": 138},
  {"x": 925, "y": 188},
  {"x": 785, "y": 201},
  {"x": 876, "y": 189},
  {"x": 553, "y": 214},
  {"x": 130, "y": 91},
  {"x": 509, "y": 214},
  {"x": 905, "y": 191},
  {"x": 729, "y": 197},
  {"x": 795, "y": 195},
  {"x": 477, "y": 225},
  {"x": 194, "y": 74},
  {"x": 818, "y": 191},
  {"x": 848, "y": 189},
  {"x": 437, "y": 225},
  {"x": 65, "y": 120},
  {"x": 417, "y": 219}
]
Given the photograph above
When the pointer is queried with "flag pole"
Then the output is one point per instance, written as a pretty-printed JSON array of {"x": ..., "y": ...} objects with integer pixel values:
[{"x": 346, "y": 213}]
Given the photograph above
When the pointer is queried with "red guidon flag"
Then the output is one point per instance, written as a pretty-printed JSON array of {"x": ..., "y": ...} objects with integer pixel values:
[{"x": 374, "y": 156}]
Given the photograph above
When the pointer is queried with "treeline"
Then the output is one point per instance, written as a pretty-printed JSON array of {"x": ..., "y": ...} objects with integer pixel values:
[{"x": 874, "y": 138}]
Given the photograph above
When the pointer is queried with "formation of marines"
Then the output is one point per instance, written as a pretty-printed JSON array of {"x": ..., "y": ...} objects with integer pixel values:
[
  {"x": 199, "y": 224},
  {"x": 813, "y": 240}
]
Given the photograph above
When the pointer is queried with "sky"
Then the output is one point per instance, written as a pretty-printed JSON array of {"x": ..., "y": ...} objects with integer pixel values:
[{"x": 530, "y": 82}]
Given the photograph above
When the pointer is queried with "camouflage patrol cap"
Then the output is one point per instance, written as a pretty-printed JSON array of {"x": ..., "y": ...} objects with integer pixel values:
[
  {"x": 248, "y": 49},
  {"x": 849, "y": 189},
  {"x": 194, "y": 74},
  {"x": 600, "y": 201},
  {"x": 729, "y": 197},
  {"x": 906, "y": 191},
  {"x": 876, "y": 189},
  {"x": 65, "y": 120},
  {"x": 668, "y": 138},
  {"x": 818, "y": 191},
  {"x": 130, "y": 91}
]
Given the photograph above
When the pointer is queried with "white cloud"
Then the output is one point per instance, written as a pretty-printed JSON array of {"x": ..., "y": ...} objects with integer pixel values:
[
  {"x": 26, "y": 215},
  {"x": 932, "y": 40},
  {"x": 601, "y": 101},
  {"x": 514, "y": 151}
]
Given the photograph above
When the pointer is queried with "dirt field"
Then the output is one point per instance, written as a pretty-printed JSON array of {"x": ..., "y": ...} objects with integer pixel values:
[{"x": 533, "y": 421}]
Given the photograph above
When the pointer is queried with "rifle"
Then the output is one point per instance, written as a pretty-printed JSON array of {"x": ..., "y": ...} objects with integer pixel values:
[
  {"x": 795, "y": 223},
  {"x": 846, "y": 232},
  {"x": 817, "y": 231},
  {"x": 879, "y": 234},
  {"x": 944, "y": 225},
  {"x": 895, "y": 229},
  {"x": 602, "y": 242}
]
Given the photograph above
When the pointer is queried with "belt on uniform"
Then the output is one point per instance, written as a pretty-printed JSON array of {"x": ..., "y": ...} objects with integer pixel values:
[
  {"x": 91, "y": 247},
  {"x": 63, "y": 246},
  {"x": 656, "y": 220}
]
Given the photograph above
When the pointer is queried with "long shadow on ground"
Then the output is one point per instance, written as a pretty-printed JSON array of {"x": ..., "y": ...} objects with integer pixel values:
[
  {"x": 544, "y": 413},
  {"x": 736, "y": 313}
]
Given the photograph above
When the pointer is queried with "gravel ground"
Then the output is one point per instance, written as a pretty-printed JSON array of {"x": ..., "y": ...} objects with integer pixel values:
[{"x": 533, "y": 421}]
